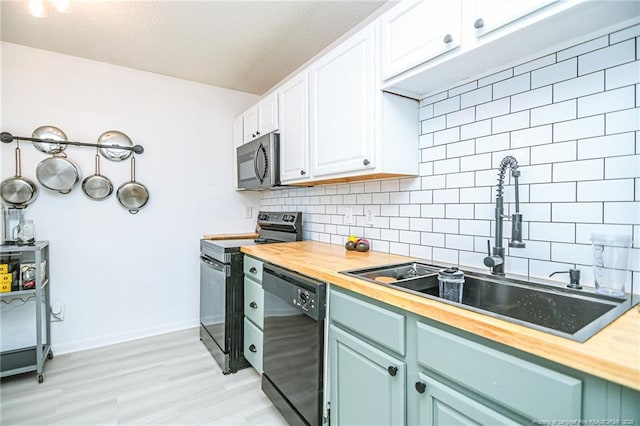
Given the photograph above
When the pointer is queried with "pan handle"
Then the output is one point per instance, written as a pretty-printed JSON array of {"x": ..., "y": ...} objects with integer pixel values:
[
  {"x": 97, "y": 165},
  {"x": 18, "y": 161},
  {"x": 133, "y": 169},
  {"x": 134, "y": 211}
]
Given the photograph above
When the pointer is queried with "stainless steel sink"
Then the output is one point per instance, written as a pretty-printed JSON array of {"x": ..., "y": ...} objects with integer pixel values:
[{"x": 573, "y": 314}]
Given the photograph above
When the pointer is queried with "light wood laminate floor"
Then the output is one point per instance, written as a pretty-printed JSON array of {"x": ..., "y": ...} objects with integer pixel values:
[{"x": 163, "y": 380}]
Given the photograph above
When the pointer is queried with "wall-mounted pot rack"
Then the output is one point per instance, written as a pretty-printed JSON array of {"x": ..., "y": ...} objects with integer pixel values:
[{"x": 7, "y": 137}]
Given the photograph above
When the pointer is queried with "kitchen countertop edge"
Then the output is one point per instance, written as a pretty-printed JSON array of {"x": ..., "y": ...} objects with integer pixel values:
[{"x": 323, "y": 261}]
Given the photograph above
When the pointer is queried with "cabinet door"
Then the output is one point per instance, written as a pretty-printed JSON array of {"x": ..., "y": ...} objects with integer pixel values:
[
  {"x": 267, "y": 115},
  {"x": 417, "y": 30},
  {"x": 250, "y": 124},
  {"x": 493, "y": 14},
  {"x": 293, "y": 106},
  {"x": 367, "y": 385},
  {"x": 342, "y": 107},
  {"x": 441, "y": 405}
]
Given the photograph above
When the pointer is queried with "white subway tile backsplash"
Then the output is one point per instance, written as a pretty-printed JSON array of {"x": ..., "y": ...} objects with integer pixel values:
[
  {"x": 475, "y": 130},
  {"x": 448, "y": 226},
  {"x": 459, "y": 211},
  {"x": 493, "y": 109},
  {"x": 421, "y": 197},
  {"x": 578, "y": 170},
  {"x": 425, "y": 112},
  {"x": 445, "y": 255},
  {"x": 399, "y": 197},
  {"x": 425, "y": 141},
  {"x": 561, "y": 71},
  {"x": 475, "y": 195},
  {"x": 486, "y": 177},
  {"x": 410, "y": 184},
  {"x": 447, "y": 105},
  {"x": 399, "y": 249},
  {"x": 475, "y": 227},
  {"x": 506, "y": 123},
  {"x": 623, "y": 121},
  {"x": 363, "y": 199},
  {"x": 622, "y": 75},
  {"x": 463, "y": 88},
  {"x": 493, "y": 143},
  {"x": 622, "y": 167},
  {"x": 434, "y": 98},
  {"x": 372, "y": 233},
  {"x": 380, "y": 198},
  {"x": 485, "y": 211},
  {"x": 372, "y": 186},
  {"x": 461, "y": 117},
  {"x": 607, "y": 57},
  {"x": 390, "y": 185},
  {"x": 554, "y": 113},
  {"x": 576, "y": 212},
  {"x": 420, "y": 224},
  {"x": 432, "y": 210},
  {"x": 532, "y": 99},
  {"x": 459, "y": 242},
  {"x": 433, "y": 182},
  {"x": 612, "y": 100},
  {"x": 445, "y": 136},
  {"x": 435, "y": 153},
  {"x": 560, "y": 151},
  {"x": 625, "y": 34},
  {"x": 458, "y": 149},
  {"x": 409, "y": 210},
  {"x": 433, "y": 124},
  {"x": 421, "y": 252},
  {"x": 622, "y": 213},
  {"x": 584, "y": 231},
  {"x": 390, "y": 210},
  {"x": 432, "y": 239},
  {"x": 559, "y": 232},
  {"x": 521, "y": 154},
  {"x": 460, "y": 180},
  {"x": 582, "y": 48},
  {"x": 475, "y": 97},
  {"x": 578, "y": 129},
  {"x": 533, "y": 249},
  {"x": 542, "y": 269},
  {"x": 390, "y": 234},
  {"x": 511, "y": 86},
  {"x": 399, "y": 222},
  {"x": 446, "y": 196},
  {"x": 475, "y": 162},
  {"x": 446, "y": 166},
  {"x": 425, "y": 169},
  {"x": 535, "y": 212},
  {"x": 474, "y": 260},
  {"x": 552, "y": 192},
  {"x": 411, "y": 237},
  {"x": 532, "y": 136},
  {"x": 606, "y": 190},
  {"x": 517, "y": 265},
  {"x": 535, "y": 174},
  {"x": 581, "y": 86},
  {"x": 607, "y": 146},
  {"x": 535, "y": 64}
]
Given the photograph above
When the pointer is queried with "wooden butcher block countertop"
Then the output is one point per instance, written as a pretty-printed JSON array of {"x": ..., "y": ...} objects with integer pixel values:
[{"x": 612, "y": 354}]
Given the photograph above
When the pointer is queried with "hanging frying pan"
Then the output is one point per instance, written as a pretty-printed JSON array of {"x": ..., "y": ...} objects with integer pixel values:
[
  {"x": 18, "y": 191},
  {"x": 133, "y": 195},
  {"x": 58, "y": 173},
  {"x": 97, "y": 187},
  {"x": 114, "y": 138},
  {"x": 49, "y": 133}
]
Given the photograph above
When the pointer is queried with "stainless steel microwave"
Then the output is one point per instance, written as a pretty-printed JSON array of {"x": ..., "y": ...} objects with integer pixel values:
[{"x": 259, "y": 163}]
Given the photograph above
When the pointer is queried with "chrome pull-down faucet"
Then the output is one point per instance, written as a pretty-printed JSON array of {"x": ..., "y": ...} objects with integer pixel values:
[{"x": 495, "y": 258}]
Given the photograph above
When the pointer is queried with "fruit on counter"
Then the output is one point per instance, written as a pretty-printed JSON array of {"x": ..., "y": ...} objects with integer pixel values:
[
  {"x": 353, "y": 238},
  {"x": 362, "y": 245},
  {"x": 350, "y": 245}
]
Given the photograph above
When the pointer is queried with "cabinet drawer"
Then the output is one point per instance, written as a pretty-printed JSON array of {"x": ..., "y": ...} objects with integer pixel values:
[
  {"x": 531, "y": 390},
  {"x": 254, "y": 302},
  {"x": 252, "y": 347},
  {"x": 253, "y": 268},
  {"x": 378, "y": 324}
]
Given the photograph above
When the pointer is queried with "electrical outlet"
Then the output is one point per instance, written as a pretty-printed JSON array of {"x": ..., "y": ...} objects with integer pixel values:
[
  {"x": 368, "y": 217},
  {"x": 348, "y": 216},
  {"x": 248, "y": 212}
]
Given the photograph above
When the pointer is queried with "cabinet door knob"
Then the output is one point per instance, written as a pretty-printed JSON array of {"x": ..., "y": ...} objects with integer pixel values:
[
  {"x": 258, "y": 132},
  {"x": 253, "y": 270},
  {"x": 479, "y": 23},
  {"x": 447, "y": 39},
  {"x": 365, "y": 162},
  {"x": 421, "y": 387},
  {"x": 253, "y": 305},
  {"x": 252, "y": 348},
  {"x": 392, "y": 370},
  {"x": 302, "y": 173}
]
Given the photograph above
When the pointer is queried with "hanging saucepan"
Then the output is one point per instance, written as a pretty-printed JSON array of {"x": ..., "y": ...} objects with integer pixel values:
[
  {"x": 58, "y": 173},
  {"x": 114, "y": 138},
  {"x": 18, "y": 191},
  {"x": 133, "y": 195},
  {"x": 50, "y": 133},
  {"x": 97, "y": 187}
]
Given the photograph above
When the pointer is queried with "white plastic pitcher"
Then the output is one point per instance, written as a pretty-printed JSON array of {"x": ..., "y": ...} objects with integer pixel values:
[{"x": 611, "y": 263}]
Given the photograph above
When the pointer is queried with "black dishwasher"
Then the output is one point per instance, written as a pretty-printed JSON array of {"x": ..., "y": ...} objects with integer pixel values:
[{"x": 293, "y": 357}]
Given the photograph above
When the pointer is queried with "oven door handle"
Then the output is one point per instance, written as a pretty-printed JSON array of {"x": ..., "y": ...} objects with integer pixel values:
[{"x": 213, "y": 264}]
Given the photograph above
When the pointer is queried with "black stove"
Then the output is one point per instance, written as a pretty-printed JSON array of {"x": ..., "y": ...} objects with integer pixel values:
[{"x": 222, "y": 289}]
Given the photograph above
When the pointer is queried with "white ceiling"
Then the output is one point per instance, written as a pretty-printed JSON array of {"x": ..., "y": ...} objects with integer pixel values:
[{"x": 243, "y": 45}]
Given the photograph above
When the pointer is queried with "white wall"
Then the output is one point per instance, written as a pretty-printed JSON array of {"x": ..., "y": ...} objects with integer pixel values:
[
  {"x": 124, "y": 276},
  {"x": 571, "y": 119}
]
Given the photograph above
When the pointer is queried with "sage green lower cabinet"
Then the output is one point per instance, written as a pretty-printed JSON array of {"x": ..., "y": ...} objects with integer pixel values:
[
  {"x": 367, "y": 385},
  {"x": 446, "y": 376}
]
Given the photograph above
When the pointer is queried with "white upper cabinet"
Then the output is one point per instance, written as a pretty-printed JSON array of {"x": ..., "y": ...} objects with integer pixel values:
[
  {"x": 293, "y": 103},
  {"x": 261, "y": 118},
  {"x": 357, "y": 131},
  {"x": 493, "y": 14},
  {"x": 417, "y": 30},
  {"x": 341, "y": 110}
]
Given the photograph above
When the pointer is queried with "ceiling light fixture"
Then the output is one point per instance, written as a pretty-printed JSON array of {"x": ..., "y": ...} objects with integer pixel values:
[{"x": 38, "y": 8}]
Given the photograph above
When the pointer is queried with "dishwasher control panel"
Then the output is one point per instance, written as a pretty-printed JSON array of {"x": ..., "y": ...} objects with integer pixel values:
[{"x": 305, "y": 300}]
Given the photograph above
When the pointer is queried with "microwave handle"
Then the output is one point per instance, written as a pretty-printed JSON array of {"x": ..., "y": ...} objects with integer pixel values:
[
  {"x": 260, "y": 175},
  {"x": 255, "y": 162}
]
